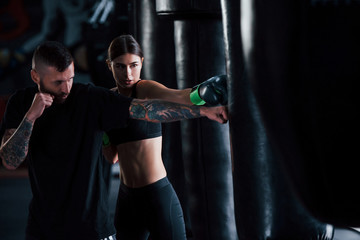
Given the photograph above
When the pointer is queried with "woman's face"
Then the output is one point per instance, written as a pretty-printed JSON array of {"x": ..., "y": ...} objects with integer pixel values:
[{"x": 126, "y": 69}]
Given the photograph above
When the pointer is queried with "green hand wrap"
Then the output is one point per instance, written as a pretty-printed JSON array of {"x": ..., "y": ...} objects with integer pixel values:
[
  {"x": 195, "y": 97},
  {"x": 105, "y": 140}
]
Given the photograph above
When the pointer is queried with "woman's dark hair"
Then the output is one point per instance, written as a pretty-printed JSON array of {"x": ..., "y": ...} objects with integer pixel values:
[
  {"x": 122, "y": 45},
  {"x": 53, "y": 54}
]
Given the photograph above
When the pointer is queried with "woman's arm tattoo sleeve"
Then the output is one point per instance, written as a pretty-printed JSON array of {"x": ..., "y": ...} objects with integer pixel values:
[
  {"x": 161, "y": 111},
  {"x": 15, "y": 144}
]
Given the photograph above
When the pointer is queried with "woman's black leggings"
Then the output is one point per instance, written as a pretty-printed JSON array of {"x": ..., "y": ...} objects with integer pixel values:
[{"x": 152, "y": 210}]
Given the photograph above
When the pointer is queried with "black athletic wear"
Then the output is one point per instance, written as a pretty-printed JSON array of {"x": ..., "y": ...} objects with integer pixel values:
[
  {"x": 153, "y": 209},
  {"x": 135, "y": 130},
  {"x": 70, "y": 199}
]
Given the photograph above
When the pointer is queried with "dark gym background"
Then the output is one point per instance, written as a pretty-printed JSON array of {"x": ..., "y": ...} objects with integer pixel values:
[{"x": 292, "y": 67}]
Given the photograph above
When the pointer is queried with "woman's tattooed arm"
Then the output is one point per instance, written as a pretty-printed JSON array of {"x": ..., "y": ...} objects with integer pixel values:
[
  {"x": 160, "y": 111},
  {"x": 15, "y": 144}
]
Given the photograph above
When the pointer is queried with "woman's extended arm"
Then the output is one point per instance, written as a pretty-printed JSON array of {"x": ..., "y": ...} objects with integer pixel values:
[{"x": 148, "y": 89}]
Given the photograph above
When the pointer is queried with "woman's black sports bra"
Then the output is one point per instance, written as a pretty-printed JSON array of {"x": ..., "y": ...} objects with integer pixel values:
[{"x": 135, "y": 130}]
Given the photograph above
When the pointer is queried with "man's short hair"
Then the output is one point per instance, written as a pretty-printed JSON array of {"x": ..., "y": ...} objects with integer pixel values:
[{"x": 54, "y": 54}]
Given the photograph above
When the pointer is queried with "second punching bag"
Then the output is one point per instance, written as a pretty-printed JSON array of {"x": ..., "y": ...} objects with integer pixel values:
[
  {"x": 303, "y": 63},
  {"x": 265, "y": 206}
]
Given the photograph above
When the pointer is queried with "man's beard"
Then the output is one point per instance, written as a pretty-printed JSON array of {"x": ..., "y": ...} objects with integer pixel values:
[{"x": 57, "y": 97}]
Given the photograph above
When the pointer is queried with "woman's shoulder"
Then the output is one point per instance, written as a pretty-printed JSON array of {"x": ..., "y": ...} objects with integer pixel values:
[
  {"x": 148, "y": 84},
  {"x": 150, "y": 89},
  {"x": 114, "y": 89}
]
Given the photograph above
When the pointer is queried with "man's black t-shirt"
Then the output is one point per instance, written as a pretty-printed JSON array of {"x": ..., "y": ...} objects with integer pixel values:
[{"x": 70, "y": 199}]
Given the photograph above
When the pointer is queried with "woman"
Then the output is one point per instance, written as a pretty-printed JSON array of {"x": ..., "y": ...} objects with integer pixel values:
[{"x": 147, "y": 203}]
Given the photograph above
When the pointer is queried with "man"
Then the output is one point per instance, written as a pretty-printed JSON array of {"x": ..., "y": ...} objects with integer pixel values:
[{"x": 59, "y": 127}]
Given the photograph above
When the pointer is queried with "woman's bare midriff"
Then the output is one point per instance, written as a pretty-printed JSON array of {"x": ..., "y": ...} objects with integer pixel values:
[{"x": 140, "y": 162}]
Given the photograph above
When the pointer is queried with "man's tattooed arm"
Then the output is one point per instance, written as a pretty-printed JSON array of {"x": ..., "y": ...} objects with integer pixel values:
[
  {"x": 160, "y": 111},
  {"x": 15, "y": 144}
]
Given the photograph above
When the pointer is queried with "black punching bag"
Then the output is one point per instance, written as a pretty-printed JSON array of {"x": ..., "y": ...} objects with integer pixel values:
[
  {"x": 206, "y": 152},
  {"x": 302, "y": 58},
  {"x": 265, "y": 206},
  {"x": 155, "y": 37}
]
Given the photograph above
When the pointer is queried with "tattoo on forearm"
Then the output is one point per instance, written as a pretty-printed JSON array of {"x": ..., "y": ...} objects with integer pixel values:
[
  {"x": 15, "y": 148},
  {"x": 160, "y": 111}
]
